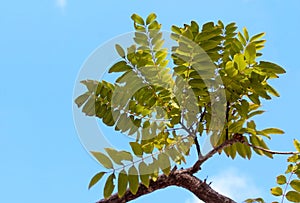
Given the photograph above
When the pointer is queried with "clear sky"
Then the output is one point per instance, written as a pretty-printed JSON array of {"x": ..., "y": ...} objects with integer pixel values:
[{"x": 43, "y": 44}]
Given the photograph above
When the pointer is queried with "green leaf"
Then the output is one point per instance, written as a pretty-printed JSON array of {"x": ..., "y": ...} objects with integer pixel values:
[
  {"x": 239, "y": 60},
  {"x": 281, "y": 179},
  {"x": 254, "y": 113},
  {"x": 297, "y": 145},
  {"x": 117, "y": 157},
  {"x": 295, "y": 184},
  {"x": 276, "y": 191},
  {"x": 137, "y": 19},
  {"x": 108, "y": 118},
  {"x": 82, "y": 99},
  {"x": 144, "y": 174},
  {"x": 241, "y": 149},
  {"x": 96, "y": 179},
  {"x": 272, "y": 91},
  {"x": 122, "y": 183},
  {"x": 271, "y": 67},
  {"x": 246, "y": 33},
  {"x": 136, "y": 148},
  {"x": 254, "y": 98},
  {"x": 294, "y": 158},
  {"x": 293, "y": 196},
  {"x": 125, "y": 156},
  {"x": 120, "y": 66},
  {"x": 133, "y": 180},
  {"x": 164, "y": 163},
  {"x": 120, "y": 50},
  {"x": 242, "y": 39},
  {"x": 109, "y": 186},
  {"x": 103, "y": 159},
  {"x": 272, "y": 131},
  {"x": 250, "y": 53},
  {"x": 154, "y": 26},
  {"x": 256, "y": 37},
  {"x": 89, "y": 107},
  {"x": 289, "y": 168},
  {"x": 150, "y": 18}
]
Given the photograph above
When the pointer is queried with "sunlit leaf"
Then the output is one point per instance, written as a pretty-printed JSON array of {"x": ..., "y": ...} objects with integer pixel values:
[
  {"x": 295, "y": 184},
  {"x": 293, "y": 196},
  {"x": 151, "y": 17},
  {"x": 120, "y": 66},
  {"x": 137, "y": 19},
  {"x": 297, "y": 145},
  {"x": 250, "y": 53},
  {"x": 281, "y": 179},
  {"x": 276, "y": 191}
]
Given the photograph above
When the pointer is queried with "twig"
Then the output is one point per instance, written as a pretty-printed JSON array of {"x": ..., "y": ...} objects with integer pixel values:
[
  {"x": 270, "y": 151},
  {"x": 196, "y": 167}
]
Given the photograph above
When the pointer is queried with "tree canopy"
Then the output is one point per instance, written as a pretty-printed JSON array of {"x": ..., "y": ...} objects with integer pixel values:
[{"x": 210, "y": 84}]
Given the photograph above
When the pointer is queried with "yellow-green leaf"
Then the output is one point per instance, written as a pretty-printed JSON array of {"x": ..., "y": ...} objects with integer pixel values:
[
  {"x": 294, "y": 158},
  {"x": 271, "y": 67},
  {"x": 120, "y": 50},
  {"x": 295, "y": 184},
  {"x": 120, "y": 66},
  {"x": 272, "y": 131},
  {"x": 240, "y": 61},
  {"x": 297, "y": 145},
  {"x": 164, "y": 163},
  {"x": 137, "y": 19},
  {"x": 144, "y": 174},
  {"x": 80, "y": 100},
  {"x": 276, "y": 191},
  {"x": 103, "y": 159},
  {"x": 242, "y": 39},
  {"x": 133, "y": 180},
  {"x": 281, "y": 179},
  {"x": 241, "y": 149},
  {"x": 122, "y": 183},
  {"x": 136, "y": 148},
  {"x": 96, "y": 179},
  {"x": 246, "y": 33},
  {"x": 256, "y": 37},
  {"x": 150, "y": 18},
  {"x": 114, "y": 155},
  {"x": 109, "y": 186},
  {"x": 250, "y": 53},
  {"x": 293, "y": 196}
]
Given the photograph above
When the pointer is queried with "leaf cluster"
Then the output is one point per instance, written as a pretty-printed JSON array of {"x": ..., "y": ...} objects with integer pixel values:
[{"x": 214, "y": 69}]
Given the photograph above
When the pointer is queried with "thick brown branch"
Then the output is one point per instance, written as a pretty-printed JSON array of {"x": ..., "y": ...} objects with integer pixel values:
[
  {"x": 185, "y": 178},
  {"x": 177, "y": 178},
  {"x": 270, "y": 151}
]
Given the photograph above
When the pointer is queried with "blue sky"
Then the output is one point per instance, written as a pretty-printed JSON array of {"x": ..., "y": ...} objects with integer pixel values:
[{"x": 43, "y": 44}]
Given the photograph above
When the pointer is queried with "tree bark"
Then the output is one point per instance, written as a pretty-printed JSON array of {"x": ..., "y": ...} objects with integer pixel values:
[{"x": 181, "y": 178}]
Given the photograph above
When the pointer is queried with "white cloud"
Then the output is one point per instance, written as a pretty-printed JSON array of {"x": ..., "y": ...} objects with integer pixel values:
[
  {"x": 233, "y": 184},
  {"x": 194, "y": 200},
  {"x": 61, "y": 3}
]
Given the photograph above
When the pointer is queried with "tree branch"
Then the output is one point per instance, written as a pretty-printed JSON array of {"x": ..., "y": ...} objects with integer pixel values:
[
  {"x": 196, "y": 167},
  {"x": 176, "y": 178},
  {"x": 184, "y": 178},
  {"x": 270, "y": 151}
]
